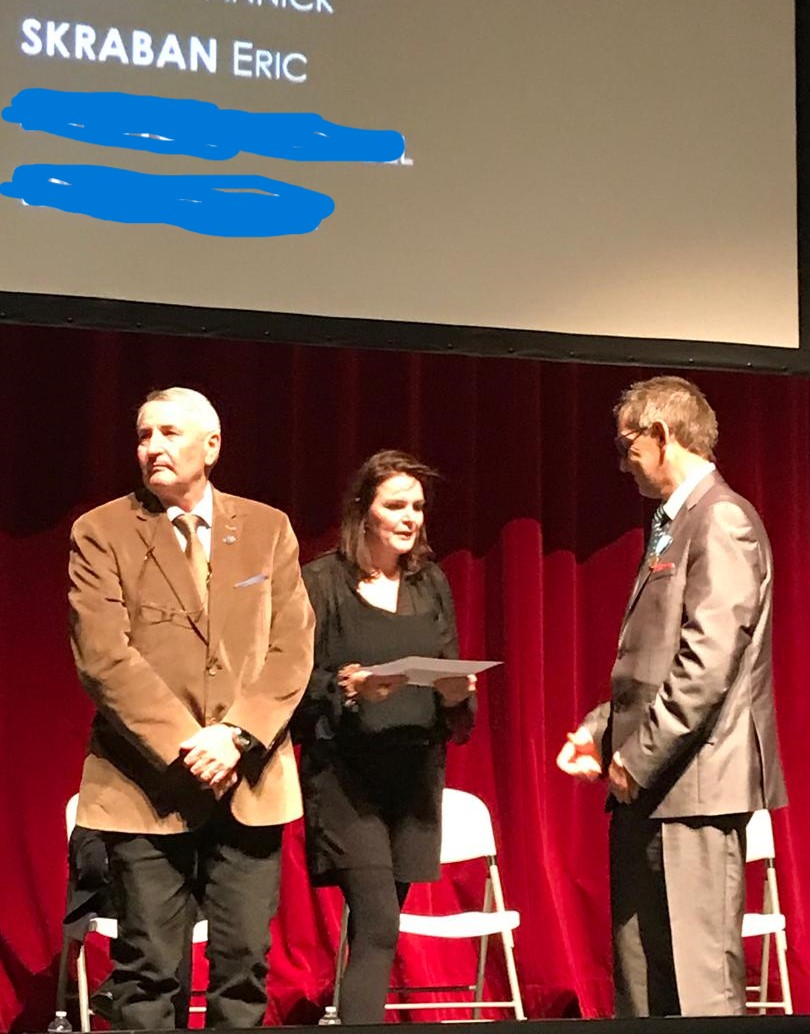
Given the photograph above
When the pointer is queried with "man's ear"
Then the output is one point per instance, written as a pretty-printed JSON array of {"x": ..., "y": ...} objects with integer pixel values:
[
  {"x": 659, "y": 430},
  {"x": 212, "y": 445}
]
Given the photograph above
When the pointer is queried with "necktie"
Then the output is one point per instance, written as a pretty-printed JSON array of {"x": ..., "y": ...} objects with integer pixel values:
[
  {"x": 195, "y": 554},
  {"x": 657, "y": 530}
]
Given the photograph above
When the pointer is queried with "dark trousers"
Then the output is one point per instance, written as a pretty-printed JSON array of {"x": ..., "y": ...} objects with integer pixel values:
[
  {"x": 677, "y": 899},
  {"x": 90, "y": 894},
  {"x": 374, "y": 899},
  {"x": 234, "y": 871}
]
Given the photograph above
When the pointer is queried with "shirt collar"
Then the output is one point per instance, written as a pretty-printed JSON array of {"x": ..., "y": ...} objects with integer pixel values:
[
  {"x": 673, "y": 505},
  {"x": 204, "y": 508}
]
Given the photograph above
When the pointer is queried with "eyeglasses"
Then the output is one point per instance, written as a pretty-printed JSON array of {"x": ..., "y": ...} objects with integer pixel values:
[{"x": 624, "y": 441}]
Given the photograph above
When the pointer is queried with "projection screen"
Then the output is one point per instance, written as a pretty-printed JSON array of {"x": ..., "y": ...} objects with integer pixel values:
[{"x": 585, "y": 172}]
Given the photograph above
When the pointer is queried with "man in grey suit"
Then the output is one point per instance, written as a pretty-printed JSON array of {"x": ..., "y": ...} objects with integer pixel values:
[{"x": 688, "y": 740}]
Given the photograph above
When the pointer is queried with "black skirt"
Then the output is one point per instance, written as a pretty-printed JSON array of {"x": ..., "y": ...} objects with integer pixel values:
[{"x": 374, "y": 800}]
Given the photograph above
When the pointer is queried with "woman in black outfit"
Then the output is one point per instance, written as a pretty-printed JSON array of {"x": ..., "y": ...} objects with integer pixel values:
[{"x": 373, "y": 748}]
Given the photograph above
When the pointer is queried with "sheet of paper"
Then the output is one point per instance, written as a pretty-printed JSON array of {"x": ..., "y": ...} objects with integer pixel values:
[{"x": 423, "y": 671}]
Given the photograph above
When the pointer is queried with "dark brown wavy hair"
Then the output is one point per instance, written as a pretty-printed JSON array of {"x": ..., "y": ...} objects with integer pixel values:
[{"x": 357, "y": 502}]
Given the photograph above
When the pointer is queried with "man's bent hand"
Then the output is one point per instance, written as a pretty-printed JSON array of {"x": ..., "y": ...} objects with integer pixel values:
[
  {"x": 212, "y": 756},
  {"x": 622, "y": 785},
  {"x": 580, "y": 756}
]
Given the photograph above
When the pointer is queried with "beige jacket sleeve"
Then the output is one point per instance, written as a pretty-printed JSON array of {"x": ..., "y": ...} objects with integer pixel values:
[{"x": 121, "y": 683}]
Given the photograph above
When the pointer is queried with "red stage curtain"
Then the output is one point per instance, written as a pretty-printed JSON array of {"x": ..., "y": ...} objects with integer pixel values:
[{"x": 539, "y": 535}]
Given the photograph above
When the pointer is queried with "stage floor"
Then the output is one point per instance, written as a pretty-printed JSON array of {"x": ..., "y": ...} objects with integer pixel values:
[{"x": 667, "y": 1025}]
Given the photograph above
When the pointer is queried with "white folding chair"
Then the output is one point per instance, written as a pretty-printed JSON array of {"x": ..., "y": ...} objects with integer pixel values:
[
  {"x": 466, "y": 835},
  {"x": 108, "y": 927},
  {"x": 769, "y": 922}
]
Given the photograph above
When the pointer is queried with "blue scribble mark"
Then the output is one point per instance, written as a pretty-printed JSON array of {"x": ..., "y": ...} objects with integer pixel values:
[
  {"x": 220, "y": 206},
  {"x": 200, "y": 129}
]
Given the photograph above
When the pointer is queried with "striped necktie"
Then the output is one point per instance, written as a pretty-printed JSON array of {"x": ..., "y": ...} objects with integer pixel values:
[
  {"x": 195, "y": 554},
  {"x": 660, "y": 520}
]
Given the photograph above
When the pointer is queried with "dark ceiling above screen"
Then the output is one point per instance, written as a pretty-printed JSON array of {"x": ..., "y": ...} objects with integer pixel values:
[{"x": 604, "y": 182}]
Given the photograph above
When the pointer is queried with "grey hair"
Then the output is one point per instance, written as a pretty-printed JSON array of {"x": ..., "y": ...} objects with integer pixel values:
[
  {"x": 677, "y": 402},
  {"x": 192, "y": 401}
]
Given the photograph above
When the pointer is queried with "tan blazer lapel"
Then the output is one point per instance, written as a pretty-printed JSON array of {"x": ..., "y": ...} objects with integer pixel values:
[
  {"x": 226, "y": 537},
  {"x": 158, "y": 535}
]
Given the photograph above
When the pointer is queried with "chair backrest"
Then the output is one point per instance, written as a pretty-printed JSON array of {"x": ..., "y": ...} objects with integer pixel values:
[
  {"x": 466, "y": 827},
  {"x": 71, "y": 808},
  {"x": 759, "y": 837}
]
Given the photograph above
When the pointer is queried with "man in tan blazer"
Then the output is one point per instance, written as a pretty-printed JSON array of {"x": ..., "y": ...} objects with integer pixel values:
[
  {"x": 192, "y": 632},
  {"x": 688, "y": 741}
]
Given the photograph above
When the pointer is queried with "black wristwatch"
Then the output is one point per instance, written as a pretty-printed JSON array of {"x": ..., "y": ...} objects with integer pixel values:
[{"x": 241, "y": 740}]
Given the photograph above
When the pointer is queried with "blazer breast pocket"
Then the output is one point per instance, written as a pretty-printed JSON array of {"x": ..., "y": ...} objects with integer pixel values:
[
  {"x": 661, "y": 570},
  {"x": 254, "y": 579},
  {"x": 251, "y": 605}
]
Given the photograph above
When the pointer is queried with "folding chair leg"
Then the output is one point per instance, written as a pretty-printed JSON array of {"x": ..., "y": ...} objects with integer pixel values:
[
  {"x": 764, "y": 973},
  {"x": 340, "y": 959},
  {"x": 483, "y": 947},
  {"x": 508, "y": 947},
  {"x": 84, "y": 993},
  {"x": 784, "y": 980},
  {"x": 511, "y": 971}
]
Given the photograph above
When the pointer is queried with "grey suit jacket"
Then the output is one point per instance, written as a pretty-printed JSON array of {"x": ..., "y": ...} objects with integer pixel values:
[{"x": 692, "y": 703}]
